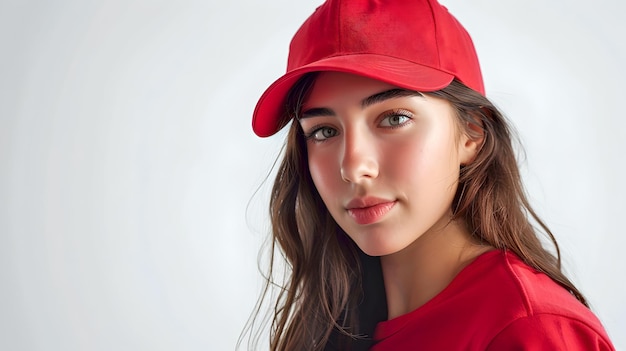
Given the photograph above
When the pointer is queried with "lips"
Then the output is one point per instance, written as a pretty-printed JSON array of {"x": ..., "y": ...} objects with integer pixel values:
[{"x": 369, "y": 210}]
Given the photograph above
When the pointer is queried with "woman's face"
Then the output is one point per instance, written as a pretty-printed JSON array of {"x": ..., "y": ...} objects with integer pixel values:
[{"x": 384, "y": 160}]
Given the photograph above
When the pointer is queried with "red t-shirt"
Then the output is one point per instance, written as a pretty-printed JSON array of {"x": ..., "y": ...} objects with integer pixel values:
[{"x": 496, "y": 303}]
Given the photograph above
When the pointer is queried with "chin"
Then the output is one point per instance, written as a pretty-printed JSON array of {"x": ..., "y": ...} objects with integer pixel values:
[
  {"x": 377, "y": 249},
  {"x": 375, "y": 241}
]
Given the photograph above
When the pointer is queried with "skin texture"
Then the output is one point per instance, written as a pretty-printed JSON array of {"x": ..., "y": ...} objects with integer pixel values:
[{"x": 387, "y": 168}]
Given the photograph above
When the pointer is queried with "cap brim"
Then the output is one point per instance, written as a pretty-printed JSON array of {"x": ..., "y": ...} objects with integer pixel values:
[{"x": 402, "y": 73}]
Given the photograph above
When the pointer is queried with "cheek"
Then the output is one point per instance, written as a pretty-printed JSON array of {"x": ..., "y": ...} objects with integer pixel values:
[
  {"x": 323, "y": 172},
  {"x": 427, "y": 164}
]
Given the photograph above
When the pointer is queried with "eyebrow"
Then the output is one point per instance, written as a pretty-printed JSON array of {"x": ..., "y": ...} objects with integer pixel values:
[
  {"x": 368, "y": 101},
  {"x": 388, "y": 94}
]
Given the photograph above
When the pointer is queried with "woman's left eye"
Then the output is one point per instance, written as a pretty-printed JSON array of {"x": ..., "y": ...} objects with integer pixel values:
[{"x": 395, "y": 119}]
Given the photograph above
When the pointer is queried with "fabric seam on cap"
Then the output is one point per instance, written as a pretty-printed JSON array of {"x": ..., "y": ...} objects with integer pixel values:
[
  {"x": 339, "y": 29},
  {"x": 432, "y": 13},
  {"x": 385, "y": 55}
]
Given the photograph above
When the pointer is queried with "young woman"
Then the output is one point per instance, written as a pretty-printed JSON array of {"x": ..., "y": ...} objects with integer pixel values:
[{"x": 398, "y": 204}]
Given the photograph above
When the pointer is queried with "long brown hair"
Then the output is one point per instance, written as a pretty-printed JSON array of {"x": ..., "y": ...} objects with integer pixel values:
[{"x": 322, "y": 287}]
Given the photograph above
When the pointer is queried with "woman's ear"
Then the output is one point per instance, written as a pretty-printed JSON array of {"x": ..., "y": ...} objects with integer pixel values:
[{"x": 472, "y": 138}]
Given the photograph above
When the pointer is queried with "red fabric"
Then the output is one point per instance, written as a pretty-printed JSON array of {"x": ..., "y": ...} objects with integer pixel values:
[
  {"x": 416, "y": 45},
  {"x": 496, "y": 303}
]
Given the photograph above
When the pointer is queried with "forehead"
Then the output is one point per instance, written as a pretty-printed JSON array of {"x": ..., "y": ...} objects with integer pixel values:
[{"x": 332, "y": 88}]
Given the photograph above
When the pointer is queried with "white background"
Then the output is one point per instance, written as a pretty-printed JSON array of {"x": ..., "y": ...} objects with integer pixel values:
[{"x": 127, "y": 161}]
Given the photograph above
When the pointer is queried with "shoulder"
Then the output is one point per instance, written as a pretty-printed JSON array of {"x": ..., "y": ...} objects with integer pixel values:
[
  {"x": 542, "y": 315},
  {"x": 497, "y": 303},
  {"x": 550, "y": 332}
]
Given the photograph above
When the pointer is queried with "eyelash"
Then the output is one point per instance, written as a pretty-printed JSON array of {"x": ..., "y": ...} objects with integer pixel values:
[
  {"x": 394, "y": 113},
  {"x": 315, "y": 130},
  {"x": 397, "y": 113}
]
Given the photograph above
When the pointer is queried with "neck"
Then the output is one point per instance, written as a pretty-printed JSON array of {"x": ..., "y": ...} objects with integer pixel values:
[{"x": 422, "y": 270}]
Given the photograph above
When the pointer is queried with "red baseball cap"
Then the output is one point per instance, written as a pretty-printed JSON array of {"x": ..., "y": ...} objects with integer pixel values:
[{"x": 413, "y": 44}]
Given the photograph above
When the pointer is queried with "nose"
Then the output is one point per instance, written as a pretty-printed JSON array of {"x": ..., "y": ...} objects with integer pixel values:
[{"x": 359, "y": 160}]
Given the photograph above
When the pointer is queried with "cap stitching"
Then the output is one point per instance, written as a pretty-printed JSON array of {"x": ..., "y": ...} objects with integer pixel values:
[
  {"x": 339, "y": 36},
  {"x": 387, "y": 55},
  {"x": 432, "y": 13}
]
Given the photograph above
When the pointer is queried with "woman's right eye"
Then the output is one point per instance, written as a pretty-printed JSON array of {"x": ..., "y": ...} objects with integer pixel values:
[{"x": 322, "y": 133}]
